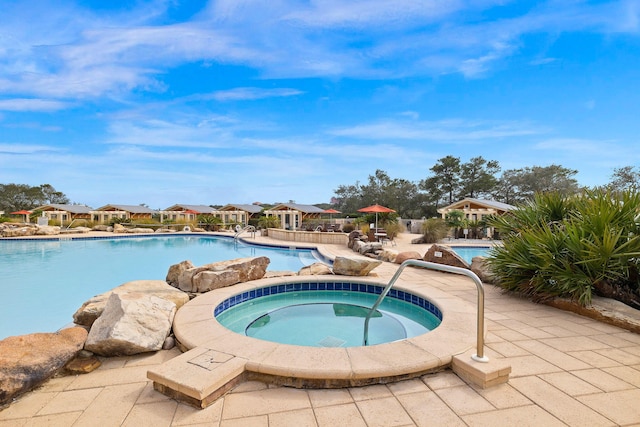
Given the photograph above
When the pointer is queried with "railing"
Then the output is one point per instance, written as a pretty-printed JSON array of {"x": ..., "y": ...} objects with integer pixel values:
[
  {"x": 479, "y": 356},
  {"x": 250, "y": 228}
]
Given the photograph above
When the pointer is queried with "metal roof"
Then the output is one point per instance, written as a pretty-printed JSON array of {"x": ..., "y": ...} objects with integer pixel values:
[
  {"x": 76, "y": 209},
  {"x": 242, "y": 207}
]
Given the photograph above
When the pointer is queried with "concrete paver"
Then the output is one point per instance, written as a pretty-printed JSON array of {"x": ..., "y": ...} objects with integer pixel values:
[{"x": 566, "y": 370}]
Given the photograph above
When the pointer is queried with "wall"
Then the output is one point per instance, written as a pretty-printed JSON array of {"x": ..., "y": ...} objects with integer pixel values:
[{"x": 309, "y": 237}]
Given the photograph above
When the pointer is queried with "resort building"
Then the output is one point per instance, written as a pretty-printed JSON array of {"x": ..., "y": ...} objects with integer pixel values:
[
  {"x": 64, "y": 214},
  {"x": 476, "y": 210},
  {"x": 292, "y": 215},
  {"x": 238, "y": 213},
  {"x": 185, "y": 213},
  {"x": 128, "y": 212}
]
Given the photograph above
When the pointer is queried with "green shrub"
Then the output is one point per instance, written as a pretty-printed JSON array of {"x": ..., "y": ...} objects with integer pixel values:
[
  {"x": 571, "y": 247},
  {"x": 434, "y": 230},
  {"x": 348, "y": 227}
]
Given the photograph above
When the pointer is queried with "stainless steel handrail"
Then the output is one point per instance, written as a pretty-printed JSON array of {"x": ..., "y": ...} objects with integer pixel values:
[
  {"x": 479, "y": 356},
  {"x": 249, "y": 228}
]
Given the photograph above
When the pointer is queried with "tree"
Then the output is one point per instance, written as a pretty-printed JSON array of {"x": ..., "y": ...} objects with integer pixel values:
[
  {"x": 625, "y": 178},
  {"x": 455, "y": 220},
  {"x": 446, "y": 179},
  {"x": 398, "y": 194},
  {"x": 522, "y": 184},
  {"x": 477, "y": 177},
  {"x": 14, "y": 197}
]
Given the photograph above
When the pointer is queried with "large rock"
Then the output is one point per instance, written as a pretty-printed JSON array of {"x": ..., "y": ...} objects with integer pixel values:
[
  {"x": 17, "y": 230},
  {"x": 388, "y": 255},
  {"x": 480, "y": 267},
  {"x": 354, "y": 267},
  {"x": 173, "y": 275},
  {"x": 403, "y": 256},
  {"x": 119, "y": 228},
  {"x": 218, "y": 274},
  {"x": 47, "y": 230},
  {"x": 445, "y": 255},
  {"x": 140, "y": 230},
  {"x": 131, "y": 323},
  {"x": 370, "y": 248},
  {"x": 315, "y": 269},
  {"x": 27, "y": 361},
  {"x": 92, "y": 309}
]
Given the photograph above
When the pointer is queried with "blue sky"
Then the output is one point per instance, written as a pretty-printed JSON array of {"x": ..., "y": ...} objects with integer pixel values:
[{"x": 237, "y": 101}]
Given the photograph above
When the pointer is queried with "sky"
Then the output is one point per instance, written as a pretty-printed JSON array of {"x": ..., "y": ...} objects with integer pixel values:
[{"x": 242, "y": 101}]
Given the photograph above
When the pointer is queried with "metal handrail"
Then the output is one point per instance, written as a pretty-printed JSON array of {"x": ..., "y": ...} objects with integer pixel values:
[
  {"x": 479, "y": 356},
  {"x": 249, "y": 228}
]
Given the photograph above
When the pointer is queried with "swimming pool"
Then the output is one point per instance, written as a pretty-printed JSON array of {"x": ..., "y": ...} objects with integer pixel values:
[
  {"x": 44, "y": 281},
  {"x": 326, "y": 314},
  {"x": 469, "y": 252}
]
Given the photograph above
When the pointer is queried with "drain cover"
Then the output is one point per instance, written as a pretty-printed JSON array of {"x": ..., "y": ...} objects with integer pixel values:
[{"x": 331, "y": 342}]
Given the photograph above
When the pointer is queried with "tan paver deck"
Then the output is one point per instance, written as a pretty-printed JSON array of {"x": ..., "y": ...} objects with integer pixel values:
[{"x": 566, "y": 370}]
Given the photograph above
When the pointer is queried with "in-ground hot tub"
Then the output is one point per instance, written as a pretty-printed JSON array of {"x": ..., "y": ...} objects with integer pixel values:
[{"x": 217, "y": 359}]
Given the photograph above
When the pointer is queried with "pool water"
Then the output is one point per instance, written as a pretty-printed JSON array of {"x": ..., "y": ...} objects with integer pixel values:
[
  {"x": 45, "y": 281},
  {"x": 469, "y": 252},
  {"x": 326, "y": 318}
]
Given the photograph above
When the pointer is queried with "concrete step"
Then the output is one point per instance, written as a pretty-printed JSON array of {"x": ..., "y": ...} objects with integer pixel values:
[{"x": 199, "y": 376}]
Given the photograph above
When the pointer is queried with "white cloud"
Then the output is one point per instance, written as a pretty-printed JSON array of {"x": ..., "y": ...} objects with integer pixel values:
[
  {"x": 27, "y": 104},
  {"x": 251, "y": 93}
]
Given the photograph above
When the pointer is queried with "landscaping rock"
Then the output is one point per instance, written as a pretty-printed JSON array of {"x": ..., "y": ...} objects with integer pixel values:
[
  {"x": 315, "y": 269},
  {"x": 82, "y": 365},
  {"x": 445, "y": 255},
  {"x": 354, "y": 267},
  {"x": 92, "y": 309},
  {"x": 131, "y": 323},
  {"x": 218, "y": 274},
  {"x": 46, "y": 230},
  {"x": 480, "y": 267},
  {"x": 403, "y": 256},
  {"x": 388, "y": 255},
  {"x": 281, "y": 273},
  {"x": 370, "y": 248},
  {"x": 17, "y": 230},
  {"x": 119, "y": 228},
  {"x": 29, "y": 360},
  {"x": 140, "y": 230}
]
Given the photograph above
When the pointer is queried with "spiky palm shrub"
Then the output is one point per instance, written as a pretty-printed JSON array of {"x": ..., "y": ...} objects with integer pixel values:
[
  {"x": 434, "y": 230},
  {"x": 573, "y": 247}
]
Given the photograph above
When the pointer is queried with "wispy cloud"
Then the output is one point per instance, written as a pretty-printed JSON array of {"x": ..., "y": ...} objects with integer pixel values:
[
  {"x": 26, "y": 104},
  {"x": 444, "y": 131},
  {"x": 251, "y": 93}
]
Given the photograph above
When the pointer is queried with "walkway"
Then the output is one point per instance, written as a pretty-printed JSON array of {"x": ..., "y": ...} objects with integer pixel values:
[{"x": 566, "y": 370}]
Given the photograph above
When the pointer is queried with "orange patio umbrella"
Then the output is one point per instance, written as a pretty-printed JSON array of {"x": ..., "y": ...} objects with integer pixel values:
[
  {"x": 23, "y": 212},
  {"x": 376, "y": 209}
]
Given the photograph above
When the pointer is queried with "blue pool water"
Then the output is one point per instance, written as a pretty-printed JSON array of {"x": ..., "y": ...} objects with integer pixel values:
[
  {"x": 468, "y": 252},
  {"x": 45, "y": 282},
  {"x": 328, "y": 318}
]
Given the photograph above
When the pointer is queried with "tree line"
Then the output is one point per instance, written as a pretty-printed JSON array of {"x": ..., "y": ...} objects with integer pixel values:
[
  {"x": 451, "y": 180},
  {"x": 15, "y": 197}
]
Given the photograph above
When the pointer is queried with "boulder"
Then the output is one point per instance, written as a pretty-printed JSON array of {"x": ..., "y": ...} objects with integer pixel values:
[
  {"x": 207, "y": 280},
  {"x": 92, "y": 309},
  {"x": 140, "y": 230},
  {"x": 418, "y": 240},
  {"x": 176, "y": 270},
  {"x": 281, "y": 273},
  {"x": 27, "y": 361},
  {"x": 219, "y": 274},
  {"x": 17, "y": 230},
  {"x": 388, "y": 255},
  {"x": 445, "y": 255},
  {"x": 315, "y": 269},
  {"x": 101, "y": 227},
  {"x": 480, "y": 267},
  {"x": 354, "y": 267},
  {"x": 119, "y": 228},
  {"x": 403, "y": 256},
  {"x": 131, "y": 323},
  {"x": 370, "y": 248},
  {"x": 47, "y": 230}
]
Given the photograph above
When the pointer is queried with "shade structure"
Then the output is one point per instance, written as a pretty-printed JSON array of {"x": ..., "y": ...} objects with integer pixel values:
[
  {"x": 376, "y": 209},
  {"x": 23, "y": 212},
  {"x": 331, "y": 211}
]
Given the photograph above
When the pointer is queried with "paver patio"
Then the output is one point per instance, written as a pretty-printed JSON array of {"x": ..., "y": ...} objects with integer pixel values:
[{"x": 566, "y": 370}]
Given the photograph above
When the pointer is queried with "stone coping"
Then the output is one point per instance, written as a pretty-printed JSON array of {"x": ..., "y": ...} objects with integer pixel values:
[{"x": 195, "y": 327}]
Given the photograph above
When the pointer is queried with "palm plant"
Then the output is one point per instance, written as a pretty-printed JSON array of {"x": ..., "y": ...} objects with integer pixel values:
[{"x": 575, "y": 247}]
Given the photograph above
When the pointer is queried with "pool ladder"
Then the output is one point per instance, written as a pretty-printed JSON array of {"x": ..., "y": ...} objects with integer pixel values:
[
  {"x": 249, "y": 228},
  {"x": 479, "y": 356}
]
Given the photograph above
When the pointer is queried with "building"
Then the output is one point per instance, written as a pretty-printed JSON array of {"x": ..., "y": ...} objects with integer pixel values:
[
  {"x": 477, "y": 209},
  {"x": 105, "y": 213},
  {"x": 292, "y": 215},
  {"x": 237, "y": 213},
  {"x": 64, "y": 214},
  {"x": 185, "y": 213}
]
